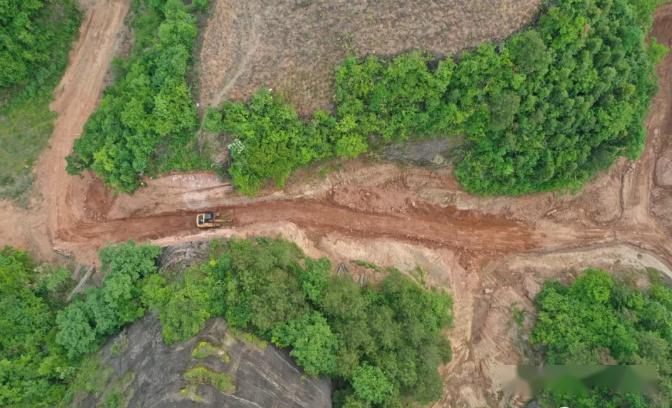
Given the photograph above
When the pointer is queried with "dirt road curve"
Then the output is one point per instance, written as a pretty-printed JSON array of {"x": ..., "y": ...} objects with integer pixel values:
[{"x": 77, "y": 215}]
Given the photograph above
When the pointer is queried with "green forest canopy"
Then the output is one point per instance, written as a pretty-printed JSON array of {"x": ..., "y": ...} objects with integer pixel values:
[
  {"x": 544, "y": 110},
  {"x": 147, "y": 120},
  {"x": 380, "y": 343},
  {"x": 33, "y": 369},
  {"x": 600, "y": 320},
  {"x": 32, "y": 39}
]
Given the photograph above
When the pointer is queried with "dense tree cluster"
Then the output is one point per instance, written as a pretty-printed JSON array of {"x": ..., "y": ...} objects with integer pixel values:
[
  {"x": 381, "y": 343},
  {"x": 146, "y": 121},
  {"x": 103, "y": 310},
  {"x": 597, "y": 320},
  {"x": 272, "y": 141},
  {"x": 33, "y": 369},
  {"x": 544, "y": 110},
  {"x": 34, "y": 39}
]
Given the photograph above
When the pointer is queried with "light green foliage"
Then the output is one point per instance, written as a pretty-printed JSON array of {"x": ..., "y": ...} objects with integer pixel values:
[
  {"x": 371, "y": 384},
  {"x": 271, "y": 140},
  {"x": 332, "y": 326},
  {"x": 32, "y": 369},
  {"x": 183, "y": 306},
  {"x": 312, "y": 341},
  {"x": 91, "y": 378},
  {"x": 104, "y": 310},
  {"x": 598, "y": 320},
  {"x": 149, "y": 107},
  {"x": 314, "y": 279},
  {"x": 203, "y": 349},
  {"x": 204, "y": 375},
  {"x": 546, "y": 110},
  {"x": 36, "y": 37}
]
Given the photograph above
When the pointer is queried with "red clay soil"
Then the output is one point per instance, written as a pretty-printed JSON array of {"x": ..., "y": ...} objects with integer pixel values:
[{"x": 78, "y": 215}]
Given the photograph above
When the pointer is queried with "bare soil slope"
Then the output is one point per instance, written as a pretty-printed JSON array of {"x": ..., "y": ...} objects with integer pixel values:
[{"x": 293, "y": 46}]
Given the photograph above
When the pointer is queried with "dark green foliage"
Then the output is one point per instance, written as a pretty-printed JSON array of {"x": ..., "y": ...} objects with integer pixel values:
[
  {"x": 34, "y": 38},
  {"x": 33, "y": 371},
  {"x": 385, "y": 341},
  {"x": 545, "y": 110},
  {"x": 599, "y": 320},
  {"x": 103, "y": 310},
  {"x": 146, "y": 121}
]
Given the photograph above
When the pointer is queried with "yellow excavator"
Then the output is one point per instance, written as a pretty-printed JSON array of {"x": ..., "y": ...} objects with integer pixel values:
[{"x": 209, "y": 220}]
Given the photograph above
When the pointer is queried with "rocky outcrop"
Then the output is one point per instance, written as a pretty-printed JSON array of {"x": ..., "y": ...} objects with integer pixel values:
[{"x": 152, "y": 373}]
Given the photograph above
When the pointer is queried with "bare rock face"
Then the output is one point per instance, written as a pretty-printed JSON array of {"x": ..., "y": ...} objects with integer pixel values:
[{"x": 152, "y": 374}]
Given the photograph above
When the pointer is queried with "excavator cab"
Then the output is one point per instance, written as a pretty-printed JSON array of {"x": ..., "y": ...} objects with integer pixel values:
[{"x": 209, "y": 219}]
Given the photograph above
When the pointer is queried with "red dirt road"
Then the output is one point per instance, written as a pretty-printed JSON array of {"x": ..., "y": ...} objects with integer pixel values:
[{"x": 78, "y": 215}]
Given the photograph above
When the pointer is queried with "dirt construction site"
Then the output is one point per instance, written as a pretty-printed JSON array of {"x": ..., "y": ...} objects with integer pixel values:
[{"x": 490, "y": 253}]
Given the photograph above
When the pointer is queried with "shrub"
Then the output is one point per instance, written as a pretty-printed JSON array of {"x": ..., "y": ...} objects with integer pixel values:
[
  {"x": 103, "y": 310},
  {"x": 34, "y": 39},
  {"x": 597, "y": 320},
  {"x": 545, "y": 110},
  {"x": 148, "y": 108},
  {"x": 33, "y": 372},
  {"x": 387, "y": 336}
]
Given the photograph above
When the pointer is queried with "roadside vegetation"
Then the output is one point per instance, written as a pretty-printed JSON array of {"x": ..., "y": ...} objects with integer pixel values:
[
  {"x": 36, "y": 38},
  {"x": 146, "y": 121},
  {"x": 545, "y": 110},
  {"x": 34, "y": 370},
  {"x": 600, "y": 320},
  {"x": 381, "y": 344}
]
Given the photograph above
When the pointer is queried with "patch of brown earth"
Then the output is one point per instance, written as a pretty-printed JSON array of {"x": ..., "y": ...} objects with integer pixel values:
[{"x": 293, "y": 46}]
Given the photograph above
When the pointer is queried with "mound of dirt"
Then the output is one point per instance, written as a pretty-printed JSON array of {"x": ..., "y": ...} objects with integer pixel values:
[
  {"x": 293, "y": 46},
  {"x": 147, "y": 372}
]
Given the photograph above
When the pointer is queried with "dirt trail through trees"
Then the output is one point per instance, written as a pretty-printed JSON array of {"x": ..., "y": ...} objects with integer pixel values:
[{"x": 78, "y": 215}]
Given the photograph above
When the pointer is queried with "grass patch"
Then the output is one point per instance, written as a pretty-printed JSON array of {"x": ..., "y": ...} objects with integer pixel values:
[
  {"x": 203, "y": 375},
  {"x": 205, "y": 349},
  {"x": 249, "y": 339},
  {"x": 91, "y": 379},
  {"x": 191, "y": 392},
  {"x": 119, "y": 346},
  {"x": 25, "y": 119},
  {"x": 119, "y": 393},
  {"x": 25, "y": 127},
  {"x": 367, "y": 265}
]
